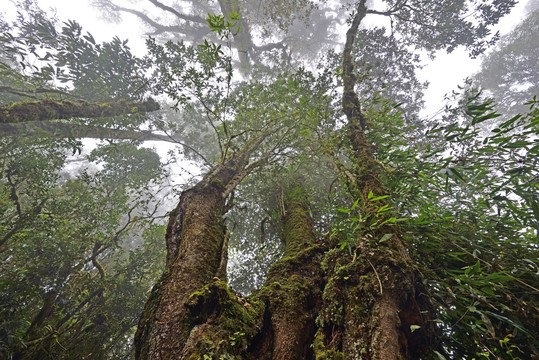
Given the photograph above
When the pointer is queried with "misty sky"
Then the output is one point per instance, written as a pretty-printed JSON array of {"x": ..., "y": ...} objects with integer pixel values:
[{"x": 444, "y": 74}]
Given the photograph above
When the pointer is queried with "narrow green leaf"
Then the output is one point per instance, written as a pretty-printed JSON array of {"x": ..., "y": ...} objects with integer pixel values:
[
  {"x": 440, "y": 356},
  {"x": 379, "y": 198}
]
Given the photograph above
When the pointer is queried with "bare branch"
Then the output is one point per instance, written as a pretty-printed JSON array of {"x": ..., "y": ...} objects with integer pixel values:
[
  {"x": 31, "y": 93},
  {"x": 171, "y": 10}
]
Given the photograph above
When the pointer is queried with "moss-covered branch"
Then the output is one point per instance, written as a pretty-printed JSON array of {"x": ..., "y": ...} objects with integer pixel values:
[{"x": 56, "y": 110}]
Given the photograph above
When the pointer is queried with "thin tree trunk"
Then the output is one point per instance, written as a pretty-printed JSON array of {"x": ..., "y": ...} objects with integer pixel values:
[{"x": 384, "y": 305}]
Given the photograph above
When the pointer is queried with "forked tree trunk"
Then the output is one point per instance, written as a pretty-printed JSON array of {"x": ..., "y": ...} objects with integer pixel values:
[
  {"x": 195, "y": 242},
  {"x": 319, "y": 302}
]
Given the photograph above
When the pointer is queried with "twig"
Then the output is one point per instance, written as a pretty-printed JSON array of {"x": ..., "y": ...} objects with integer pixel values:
[{"x": 378, "y": 277}]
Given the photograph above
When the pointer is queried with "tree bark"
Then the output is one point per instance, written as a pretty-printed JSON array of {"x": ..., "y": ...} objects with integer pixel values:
[
  {"x": 391, "y": 319},
  {"x": 293, "y": 290},
  {"x": 195, "y": 243},
  {"x": 317, "y": 302}
]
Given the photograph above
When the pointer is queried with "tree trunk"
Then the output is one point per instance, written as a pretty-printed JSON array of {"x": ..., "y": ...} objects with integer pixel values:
[
  {"x": 195, "y": 245},
  {"x": 319, "y": 301},
  {"x": 384, "y": 312}
]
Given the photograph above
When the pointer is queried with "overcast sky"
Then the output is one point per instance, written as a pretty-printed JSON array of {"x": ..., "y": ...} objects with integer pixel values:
[{"x": 444, "y": 74}]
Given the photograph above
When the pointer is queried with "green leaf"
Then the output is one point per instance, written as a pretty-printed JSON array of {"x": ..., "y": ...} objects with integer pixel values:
[
  {"x": 480, "y": 119},
  {"x": 379, "y": 197},
  {"x": 510, "y": 121},
  {"x": 518, "y": 144},
  {"x": 498, "y": 277},
  {"x": 440, "y": 356},
  {"x": 386, "y": 237},
  {"x": 355, "y": 204},
  {"x": 508, "y": 321}
]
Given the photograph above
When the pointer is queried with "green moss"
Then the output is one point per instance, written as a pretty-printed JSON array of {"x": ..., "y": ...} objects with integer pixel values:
[
  {"x": 321, "y": 352},
  {"x": 48, "y": 109},
  {"x": 233, "y": 321}
]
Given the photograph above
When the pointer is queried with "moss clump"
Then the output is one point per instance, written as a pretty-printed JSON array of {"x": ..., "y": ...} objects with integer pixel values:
[
  {"x": 229, "y": 322},
  {"x": 321, "y": 351},
  {"x": 333, "y": 307}
]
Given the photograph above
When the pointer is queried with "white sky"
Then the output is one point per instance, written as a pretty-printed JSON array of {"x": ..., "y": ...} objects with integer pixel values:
[
  {"x": 448, "y": 71},
  {"x": 444, "y": 74}
]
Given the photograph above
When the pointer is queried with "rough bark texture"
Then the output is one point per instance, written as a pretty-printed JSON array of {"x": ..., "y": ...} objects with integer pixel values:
[
  {"x": 53, "y": 110},
  {"x": 195, "y": 243},
  {"x": 294, "y": 286},
  {"x": 317, "y": 303}
]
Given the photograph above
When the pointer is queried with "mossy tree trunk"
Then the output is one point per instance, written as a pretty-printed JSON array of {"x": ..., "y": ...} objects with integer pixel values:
[
  {"x": 192, "y": 314},
  {"x": 293, "y": 289},
  {"x": 196, "y": 249},
  {"x": 385, "y": 315},
  {"x": 319, "y": 302}
]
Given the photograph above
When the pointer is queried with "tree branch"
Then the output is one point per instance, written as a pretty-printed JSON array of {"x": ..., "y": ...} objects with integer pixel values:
[
  {"x": 169, "y": 9},
  {"x": 142, "y": 16},
  {"x": 53, "y": 110},
  {"x": 31, "y": 93},
  {"x": 350, "y": 101}
]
